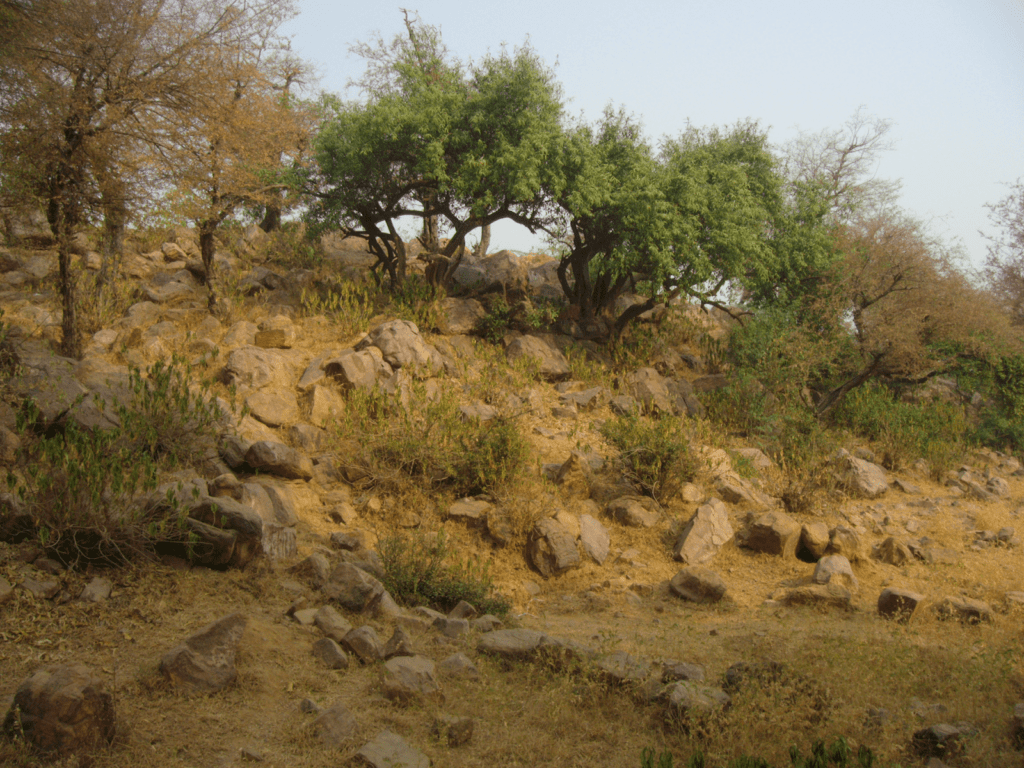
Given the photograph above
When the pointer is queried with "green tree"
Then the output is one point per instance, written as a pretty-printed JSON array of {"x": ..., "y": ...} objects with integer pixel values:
[{"x": 1004, "y": 268}]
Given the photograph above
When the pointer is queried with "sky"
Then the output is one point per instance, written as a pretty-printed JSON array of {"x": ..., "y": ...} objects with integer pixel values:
[{"x": 949, "y": 74}]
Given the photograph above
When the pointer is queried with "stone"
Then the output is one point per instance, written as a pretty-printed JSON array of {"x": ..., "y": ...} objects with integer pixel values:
[
  {"x": 634, "y": 511},
  {"x": 814, "y": 539},
  {"x": 325, "y": 405},
  {"x": 893, "y": 551},
  {"x": 707, "y": 532},
  {"x": 352, "y": 587},
  {"x": 859, "y": 477},
  {"x": 389, "y": 750},
  {"x": 966, "y": 609},
  {"x": 672, "y": 671},
  {"x": 551, "y": 548},
  {"x": 330, "y": 654},
  {"x": 279, "y": 459},
  {"x": 41, "y": 589},
  {"x": 6, "y": 590},
  {"x": 940, "y": 740},
  {"x": 774, "y": 533},
  {"x": 898, "y": 604},
  {"x": 314, "y": 569},
  {"x": 230, "y": 515},
  {"x": 575, "y": 475},
  {"x": 335, "y": 725},
  {"x": 650, "y": 389},
  {"x": 329, "y": 620},
  {"x": 96, "y": 591},
  {"x": 698, "y": 585},
  {"x": 451, "y": 627},
  {"x": 402, "y": 346},
  {"x": 470, "y": 510},
  {"x": 518, "y": 644},
  {"x": 835, "y": 569},
  {"x": 620, "y": 667},
  {"x": 455, "y": 731},
  {"x": 254, "y": 368},
  {"x": 399, "y": 644},
  {"x": 273, "y": 407},
  {"x": 364, "y": 643},
  {"x": 486, "y": 623},
  {"x": 206, "y": 660},
  {"x": 824, "y": 595},
  {"x": 355, "y": 370},
  {"x": 408, "y": 678},
  {"x": 594, "y": 539},
  {"x": 499, "y": 527},
  {"x": 463, "y": 610},
  {"x": 846, "y": 542},
  {"x": 552, "y": 365},
  {"x": 461, "y": 315},
  {"x": 458, "y": 665},
  {"x": 63, "y": 710},
  {"x": 305, "y": 616},
  {"x": 688, "y": 697}
]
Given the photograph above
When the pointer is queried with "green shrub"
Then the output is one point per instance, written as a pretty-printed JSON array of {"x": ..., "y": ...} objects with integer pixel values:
[
  {"x": 421, "y": 434},
  {"x": 654, "y": 453},
  {"x": 423, "y": 570}
]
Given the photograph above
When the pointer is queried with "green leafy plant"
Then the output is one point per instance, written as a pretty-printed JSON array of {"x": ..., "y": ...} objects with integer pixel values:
[
  {"x": 423, "y": 570},
  {"x": 494, "y": 324},
  {"x": 654, "y": 453}
]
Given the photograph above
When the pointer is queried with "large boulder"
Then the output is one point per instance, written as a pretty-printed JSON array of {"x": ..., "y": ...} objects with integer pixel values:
[
  {"x": 552, "y": 363},
  {"x": 859, "y": 477},
  {"x": 254, "y": 368},
  {"x": 205, "y": 662},
  {"x": 517, "y": 644},
  {"x": 698, "y": 585},
  {"x": 408, "y": 678},
  {"x": 552, "y": 549},
  {"x": 898, "y": 604},
  {"x": 650, "y": 389},
  {"x": 707, "y": 532},
  {"x": 352, "y": 587},
  {"x": 594, "y": 538},
  {"x": 635, "y": 511},
  {"x": 62, "y": 710},
  {"x": 774, "y": 533},
  {"x": 403, "y": 347},
  {"x": 279, "y": 459}
]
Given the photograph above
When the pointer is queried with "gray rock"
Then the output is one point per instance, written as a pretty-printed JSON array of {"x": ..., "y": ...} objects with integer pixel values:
[
  {"x": 486, "y": 623},
  {"x": 893, "y": 551},
  {"x": 650, "y": 389},
  {"x": 594, "y": 539},
  {"x": 698, "y": 585},
  {"x": 62, "y": 710},
  {"x": 403, "y": 347},
  {"x": 314, "y": 569},
  {"x": 470, "y": 510},
  {"x": 835, "y": 569},
  {"x": 330, "y": 653},
  {"x": 774, "y": 533},
  {"x": 898, "y": 603},
  {"x": 96, "y": 591},
  {"x": 813, "y": 541},
  {"x": 463, "y": 610},
  {"x": 352, "y": 587},
  {"x": 461, "y": 315},
  {"x": 552, "y": 364},
  {"x": 354, "y": 370},
  {"x": 512, "y": 643},
  {"x": 620, "y": 667},
  {"x": 41, "y": 589},
  {"x": 408, "y": 678},
  {"x": 965, "y": 609},
  {"x": 364, "y": 643},
  {"x": 335, "y": 725},
  {"x": 275, "y": 408},
  {"x": 452, "y": 628},
  {"x": 389, "y": 750},
  {"x": 206, "y": 660},
  {"x": 230, "y": 515},
  {"x": 458, "y": 665},
  {"x": 399, "y": 644},
  {"x": 846, "y": 542},
  {"x": 672, "y": 671},
  {"x": 824, "y": 595},
  {"x": 455, "y": 731},
  {"x": 254, "y": 368},
  {"x": 707, "y": 532},
  {"x": 636, "y": 511},
  {"x": 551, "y": 548},
  {"x": 688, "y": 697},
  {"x": 279, "y": 459},
  {"x": 859, "y": 477}
]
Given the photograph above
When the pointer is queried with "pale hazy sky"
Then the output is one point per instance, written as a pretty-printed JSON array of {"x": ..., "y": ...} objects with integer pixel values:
[{"x": 948, "y": 73}]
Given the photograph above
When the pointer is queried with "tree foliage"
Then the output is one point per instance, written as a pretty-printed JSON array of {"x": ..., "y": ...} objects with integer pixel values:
[{"x": 1004, "y": 267}]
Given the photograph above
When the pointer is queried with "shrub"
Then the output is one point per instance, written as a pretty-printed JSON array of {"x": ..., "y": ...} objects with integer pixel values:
[
  {"x": 654, "y": 453},
  {"x": 420, "y": 434},
  {"x": 839, "y": 754},
  {"x": 423, "y": 570},
  {"x": 353, "y": 303}
]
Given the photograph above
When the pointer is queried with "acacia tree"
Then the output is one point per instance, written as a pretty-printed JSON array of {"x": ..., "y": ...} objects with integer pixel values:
[
  {"x": 82, "y": 81},
  {"x": 1004, "y": 268}
]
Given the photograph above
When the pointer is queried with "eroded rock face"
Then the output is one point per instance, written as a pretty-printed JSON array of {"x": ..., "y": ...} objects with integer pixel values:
[
  {"x": 279, "y": 459},
  {"x": 63, "y": 710},
  {"x": 403, "y": 347},
  {"x": 552, "y": 549},
  {"x": 206, "y": 660}
]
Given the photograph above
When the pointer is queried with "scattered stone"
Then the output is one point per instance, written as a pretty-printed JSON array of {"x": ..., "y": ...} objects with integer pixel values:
[
  {"x": 463, "y": 610},
  {"x": 846, "y": 542},
  {"x": 688, "y": 697},
  {"x": 472, "y": 510},
  {"x": 941, "y": 740},
  {"x": 456, "y": 731},
  {"x": 594, "y": 539},
  {"x": 965, "y": 609},
  {"x": 619, "y": 667},
  {"x": 399, "y": 644},
  {"x": 486, "y": 623},
  {"x": 452, "y": 628},
  {"x": 389, "y": 750},
  {"x": 673, "y": 671},
  {"x": 305, "y": 616},
  {"x": 63, "y": 710},
  {"x": 706, "y": 533},
  {"x": 635, "y": 511},
  {"x": 859, "y": 477},
  {"x": 551, "y": 548},
  {"x": 511, "y": 643},
  {"x": 998, "y": 487},
  {"x": 41, "y": 589},
  {"x": 698, "y": 585},
  {"x": 906, "y": 487},
  {"x": 774, "y": 533},
  {"x": 825, "y": 595},
  {"x": 552, "y": 365},
  {"x": 364, "y": 643},
  {"x": 893, "y": 551},
  {"x": 6, "y": 590},
  {"x": 314, "y": 569},
  {"x": 206, "y": 660},
  {"x": 352, "y": 587},
  {"x": 459, "y": 665},
  {"x": 279, "y": 459},
  {"x": 835, "y": 569},
  {"x": 813, "y": 542},
  {"x": 335, "y": 725},
  {"x": 402, "y": 346},
  {"x": 898, "y": 604},
  {"x": 499, "y": 527},
  {"x": 408, "y": 678},
  {"x": 330, "y": 653}
]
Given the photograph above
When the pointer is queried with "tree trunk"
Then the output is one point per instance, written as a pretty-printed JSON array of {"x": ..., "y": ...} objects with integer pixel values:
[
  {"x": 485, "y": 242},
  {"x": 114, "y": 218},
  {"x": 71, "y": 342},
  {"x": 831, "y": 400},
  {"x": 428, "y": 235},
  {"x": 271, "y": 218},
  {"x": 208, "y": 247}
]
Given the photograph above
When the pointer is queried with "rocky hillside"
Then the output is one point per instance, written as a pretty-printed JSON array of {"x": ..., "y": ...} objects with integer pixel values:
[{"x": 886, "y": 611}]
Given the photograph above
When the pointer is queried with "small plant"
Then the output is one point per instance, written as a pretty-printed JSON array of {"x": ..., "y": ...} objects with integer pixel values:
[
  {"x": 655, "y": 453},
  {"x": 423, "y": 570},
  {"x": 495, "y": 323}
]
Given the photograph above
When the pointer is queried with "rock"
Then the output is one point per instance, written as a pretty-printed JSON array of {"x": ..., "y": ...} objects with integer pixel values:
[
  {"x": 735, "y": 490},
  {"x": 335, "y": 725},
  {"x": 279, "y": 459},
  {"x": 594, "y": 539},
  {"x": 355, "y": 370},
  {"x": 41, "y": 589},
  {"x": 451, "y": 627},
  {"x": 499, "y": 527},
  {"x": 470, "y": 510},
  {"x": 254, "y": 368},
  {"x": 402, "y": 346},
  {"x": 575, "y": 475},
  {"x": 408, "y": 678},
  {"x": 330, "y": 621},
  {"x": 461, "y": 316},
  {"x": 636, "y": 511},
  {"x": 835, "y": 569},
  {"x": 814, "y": 539},
  {"x": 364, "y": 643},
  {"x": 389, "y": 750},
  {"x": 330, "y": 653},
  {"x": 399, "y": 644},
  {"x": 6, "y": 590},
  {"x": 551, "y": 548},
  {"x": 698, "y": 585},
  {"x": 650, "y": 389},
  {"x": 352, "y": 587},
  {"x": 859, "y": 477},
  {"x": 314, "y": 569},
  {"x": 459, "y": 665},
  {"x": 898, "y": 603},
  {"x": 551, "y": 363},
  {"x": 96, "y": 591},
  {"x": 774, "y": 533},
  {"x": 273, "y": 407},
  {"x": 707, "y": 532},
  {"x": 688, "y": 697},
  {"x": 511, "y": 643},
  {"x": 940, "y": 740},
  {"x": 893, "y": 551},
  {"x": 826, "y": 595},
  {"x": 456, "y": 731},
  {"x": 206, "y": 660},
  {"x": 998, "y": 487},
  {"x": 965, "y": 609},
  {"x": 276, "y": 338},
  {"x": 63, "y": 710},
  {"x": 846, "y": 542},
  {"x": 463, "y": 610},
  {"x": 672, "y": 671},
  {"x": 620, "y": 667},
  {"x": 486, "y": 623}
]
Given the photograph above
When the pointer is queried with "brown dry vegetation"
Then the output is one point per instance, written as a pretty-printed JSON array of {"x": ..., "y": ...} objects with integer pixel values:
[{"x": 838, "y": 665}]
